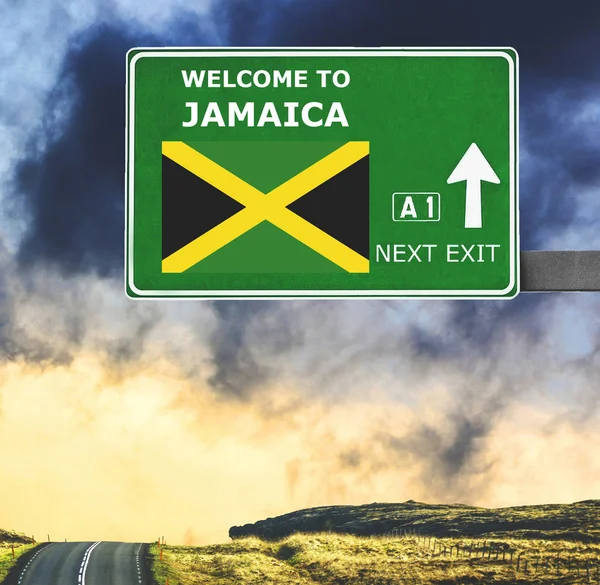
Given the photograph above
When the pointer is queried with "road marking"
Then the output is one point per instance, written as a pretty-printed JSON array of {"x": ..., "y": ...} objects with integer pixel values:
[
  {"x": 31, "y": 560},
  {"x": 85, "y": 561},
  {"x": 137, "y": 562}
]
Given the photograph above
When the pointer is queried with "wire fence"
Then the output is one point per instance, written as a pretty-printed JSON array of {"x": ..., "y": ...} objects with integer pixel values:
[{"x": 582, "y": 566}]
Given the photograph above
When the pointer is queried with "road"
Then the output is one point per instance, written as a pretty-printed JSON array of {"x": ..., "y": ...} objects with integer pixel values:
[{"x": 84, "y": 563}]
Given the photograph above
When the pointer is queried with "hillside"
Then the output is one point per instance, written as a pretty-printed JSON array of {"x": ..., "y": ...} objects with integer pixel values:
[
  {"x": 342, "y": 559},
  {"x": 12, "y": 546},
  {"x": 579, "y": 521},
  {"x": 11, "y": 537},
  {"x": 389, "y": 544}
]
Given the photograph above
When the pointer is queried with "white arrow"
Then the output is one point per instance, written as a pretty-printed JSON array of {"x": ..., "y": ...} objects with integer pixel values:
[{"x": 473, "y": 168}]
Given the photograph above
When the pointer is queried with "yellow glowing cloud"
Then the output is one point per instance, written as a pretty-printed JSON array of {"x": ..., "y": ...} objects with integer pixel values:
[{"x": 90, "y": 456}]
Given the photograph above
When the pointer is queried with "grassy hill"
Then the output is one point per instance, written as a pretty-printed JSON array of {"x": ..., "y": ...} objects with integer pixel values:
[
  {"x": 9, "y": 542},
  {"x": 409, "y": 543},
  {"x": 579, "y": 521}
]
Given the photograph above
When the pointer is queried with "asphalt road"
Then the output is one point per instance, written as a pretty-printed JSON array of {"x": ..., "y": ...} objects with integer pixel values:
[{"x": 84, "y": 563}]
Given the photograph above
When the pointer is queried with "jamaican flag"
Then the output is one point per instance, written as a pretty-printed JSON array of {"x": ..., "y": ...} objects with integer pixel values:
[{"x": 242, "y": 207}]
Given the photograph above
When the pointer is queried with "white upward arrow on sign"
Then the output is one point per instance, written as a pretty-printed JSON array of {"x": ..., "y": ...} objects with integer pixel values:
[{"x": 473, "y": 168}]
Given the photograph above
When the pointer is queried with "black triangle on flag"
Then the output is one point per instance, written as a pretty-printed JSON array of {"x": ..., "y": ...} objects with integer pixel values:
[
  {"x": 340, "y": 206},
  {"x": 190, "y": 207}
]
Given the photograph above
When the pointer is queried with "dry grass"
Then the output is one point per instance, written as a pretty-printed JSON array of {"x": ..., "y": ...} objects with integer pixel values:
[{"x": 334, "y": 559}]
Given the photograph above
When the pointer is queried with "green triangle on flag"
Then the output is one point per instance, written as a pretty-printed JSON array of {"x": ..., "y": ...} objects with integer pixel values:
[
  {"x": 265, "y": 249},
  {"x": 265, "y": 165}
]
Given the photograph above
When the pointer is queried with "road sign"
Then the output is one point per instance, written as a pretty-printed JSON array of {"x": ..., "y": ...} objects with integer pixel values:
[{"x": 283, "y": 173}]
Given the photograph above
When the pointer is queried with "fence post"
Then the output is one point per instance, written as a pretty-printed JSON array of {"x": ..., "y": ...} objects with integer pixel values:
[{"x": 13, "y": 551}]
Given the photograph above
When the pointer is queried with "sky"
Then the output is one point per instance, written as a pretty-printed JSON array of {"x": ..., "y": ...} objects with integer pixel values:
[{"x": 126, "y": 420}]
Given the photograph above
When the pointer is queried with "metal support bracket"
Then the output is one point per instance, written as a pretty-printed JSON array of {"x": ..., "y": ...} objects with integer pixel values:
[{"x": 570, "y": 271}]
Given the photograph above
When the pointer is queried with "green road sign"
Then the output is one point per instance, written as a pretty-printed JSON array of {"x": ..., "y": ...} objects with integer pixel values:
[{"x": 322, "y": 173}]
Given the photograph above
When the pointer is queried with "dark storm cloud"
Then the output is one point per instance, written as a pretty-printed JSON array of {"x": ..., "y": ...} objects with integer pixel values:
[
  {"x": 15, "y": 341},
  {"x": 70, "y": 184},
  {"x": 476, "y": 329},
  {"x": 451, "y": 453},
  {"x": 561, "y": 159},
  {"x": 129, "y": 348},
  {"x": 247, "y": 329},
  {"x": 72, "y": 188},
  {"x": 554, "y": 38},
  {"x": 236, "y": 371},
  {"x": 448, "y": 455}
]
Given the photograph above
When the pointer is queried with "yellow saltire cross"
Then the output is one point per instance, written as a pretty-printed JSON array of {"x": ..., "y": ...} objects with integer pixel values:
[{"x": 261, "y": 206}]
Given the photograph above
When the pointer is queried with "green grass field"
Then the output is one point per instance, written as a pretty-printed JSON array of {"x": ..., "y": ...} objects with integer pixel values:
[
  {"x": 10, "y": 541},
  {"x": 566, "y": 551}
]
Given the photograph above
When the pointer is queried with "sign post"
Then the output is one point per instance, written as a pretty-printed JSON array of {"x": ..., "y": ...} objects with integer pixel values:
[{"x": 322, "y": 173}]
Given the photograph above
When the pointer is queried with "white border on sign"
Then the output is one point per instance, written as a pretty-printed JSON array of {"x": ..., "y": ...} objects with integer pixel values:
[
  {"x": 329, "y": 52},
  {"x": 439, "y": 206}
]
